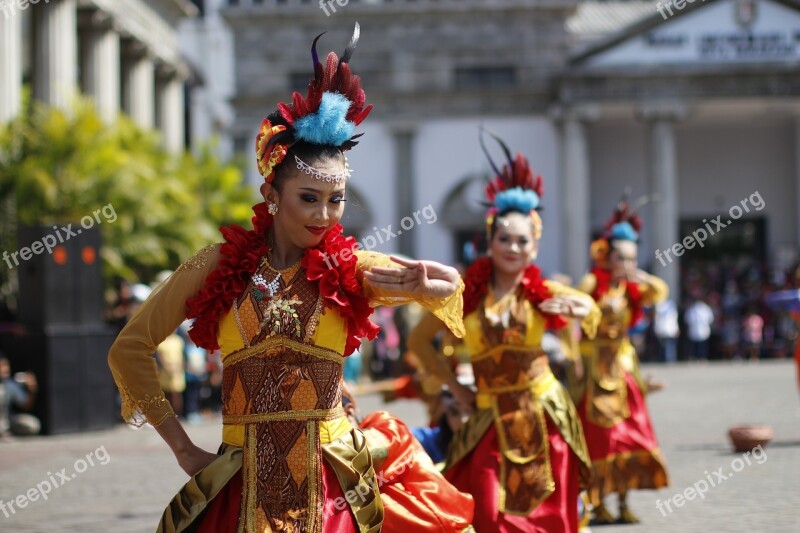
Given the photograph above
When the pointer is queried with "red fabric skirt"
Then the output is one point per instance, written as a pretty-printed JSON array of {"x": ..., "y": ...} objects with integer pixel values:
[
  {"x": 479, "y": 474},
  {"x": 631, "y": 435},
  {"x": 222, "y": 514}
]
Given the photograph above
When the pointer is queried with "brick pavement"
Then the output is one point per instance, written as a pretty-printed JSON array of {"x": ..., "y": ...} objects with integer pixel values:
[{"x": 691, "y": 417}]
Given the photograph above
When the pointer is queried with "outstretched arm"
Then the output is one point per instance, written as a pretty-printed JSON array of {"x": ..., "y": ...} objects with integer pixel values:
[
  {"x": 422, "y": 278},
  {"x": 395, "y": 281}
]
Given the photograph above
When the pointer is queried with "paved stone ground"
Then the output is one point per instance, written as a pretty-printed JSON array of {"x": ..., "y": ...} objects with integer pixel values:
[{"x": 129, "y": 492}]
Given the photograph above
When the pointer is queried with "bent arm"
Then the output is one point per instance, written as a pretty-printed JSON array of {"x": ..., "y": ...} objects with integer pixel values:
[
  {"x": 652, "y": 288},
  {"x": 131, "y": 356},
  {"x": 591, "y": 320},
  {"x": 421, "y": 342}
]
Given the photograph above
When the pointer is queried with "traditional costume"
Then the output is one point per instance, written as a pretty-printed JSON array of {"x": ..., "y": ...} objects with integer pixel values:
[
  {"x": 288, "y": 453},
  {"x": 610, "y": 396},
  {"x": 522, "y": 453},
  {"x": 415, "y": 495}
]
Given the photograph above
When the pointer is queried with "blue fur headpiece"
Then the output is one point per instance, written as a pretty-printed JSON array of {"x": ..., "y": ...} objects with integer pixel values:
[
  {"x": 329, "y": 125},
  {"x": 516, "y": 199},
  {"x": 623, "y": 231}
]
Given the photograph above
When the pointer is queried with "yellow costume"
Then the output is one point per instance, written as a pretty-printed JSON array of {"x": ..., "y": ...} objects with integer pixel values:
[{"x": 282, "y": 414}]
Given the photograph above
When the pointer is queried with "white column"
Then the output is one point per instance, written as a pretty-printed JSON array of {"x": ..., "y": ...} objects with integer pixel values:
[
  {"x": 56, "y": 59},
  {"x": 140, "y": 88},
  {"x": 10, "y": 64},
  {"x": 664, "y": 186},
  {"x": 576, "y": 183},
  {"x": 403, "y": 134},
  {"x": 171, "y": 110},
  {"x": 102, "y": 70}
]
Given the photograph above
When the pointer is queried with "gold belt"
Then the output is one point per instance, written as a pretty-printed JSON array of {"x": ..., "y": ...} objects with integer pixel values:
[
  {"x": 538, "y": 386},
  {"x": 300, "y": 416}
]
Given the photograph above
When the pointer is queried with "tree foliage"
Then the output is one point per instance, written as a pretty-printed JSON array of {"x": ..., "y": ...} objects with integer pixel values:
[{"x": 57, "y": 167}]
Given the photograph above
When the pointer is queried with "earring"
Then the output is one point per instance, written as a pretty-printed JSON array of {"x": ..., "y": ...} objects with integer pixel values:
[{"x": 273, "y": 209}]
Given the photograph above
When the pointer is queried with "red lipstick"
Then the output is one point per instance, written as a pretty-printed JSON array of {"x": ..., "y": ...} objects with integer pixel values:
[{"x": 316, "y": 230}]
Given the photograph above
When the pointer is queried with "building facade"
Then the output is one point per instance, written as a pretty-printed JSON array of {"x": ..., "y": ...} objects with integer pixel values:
[
  {"x": 124, "y": 54},
  {"x": 435, "y": 71}
]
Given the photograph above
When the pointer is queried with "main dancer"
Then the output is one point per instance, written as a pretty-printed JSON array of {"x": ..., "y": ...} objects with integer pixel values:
[{"x": 285, "y": 302}]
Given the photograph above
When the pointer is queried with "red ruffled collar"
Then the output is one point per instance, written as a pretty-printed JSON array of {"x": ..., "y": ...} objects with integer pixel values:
[
  {"x": 479, "y": 275},
  {"x": 241, "y": 255},
  {"x": 603, "y": 283}
]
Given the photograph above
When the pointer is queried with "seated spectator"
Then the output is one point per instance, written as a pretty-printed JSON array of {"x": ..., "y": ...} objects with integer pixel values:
[{"x": 17, "y": 394}]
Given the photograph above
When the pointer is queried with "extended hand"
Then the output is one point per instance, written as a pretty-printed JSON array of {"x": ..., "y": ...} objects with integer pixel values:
[
  {"x": 569, "y": 306},
  {"x": 425, "y": 278},
  {"x": 638, "y": 276}
]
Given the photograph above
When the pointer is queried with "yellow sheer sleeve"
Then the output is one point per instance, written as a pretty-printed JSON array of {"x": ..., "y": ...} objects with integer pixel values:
[
  {"x": 131, "y": 356},
  {"x": 653, "y": 290},
  {"x": 590, "y": 322},
  {"x": 420, "y": 341},
  {"x": 448, "y": 309}
]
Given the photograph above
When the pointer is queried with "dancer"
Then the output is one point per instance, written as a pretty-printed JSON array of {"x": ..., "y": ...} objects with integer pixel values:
[
  {"x": 522, "y": 453},
  {"x": 415, "y": 495},
  {"x": 610, "y": 395},
  {"x": 284, "y": 302}
]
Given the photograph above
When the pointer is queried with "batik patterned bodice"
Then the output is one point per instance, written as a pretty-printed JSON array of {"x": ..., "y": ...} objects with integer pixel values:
[{"x": 279, "y": 389}]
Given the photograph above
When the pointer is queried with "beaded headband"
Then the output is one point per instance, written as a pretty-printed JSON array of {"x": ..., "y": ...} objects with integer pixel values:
[{"x": 320, "y": 175}]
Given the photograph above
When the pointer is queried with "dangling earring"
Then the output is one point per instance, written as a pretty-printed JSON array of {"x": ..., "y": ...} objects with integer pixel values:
[{"x": 273, "y": 209}]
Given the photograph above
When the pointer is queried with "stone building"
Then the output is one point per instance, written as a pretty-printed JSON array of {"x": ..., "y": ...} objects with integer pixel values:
[
  {"x": 695, "y": 104},
  {"x": 122, "y": 53}
]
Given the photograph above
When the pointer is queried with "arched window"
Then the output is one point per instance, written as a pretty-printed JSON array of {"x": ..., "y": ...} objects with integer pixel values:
[{"x": 464, "y": 213}]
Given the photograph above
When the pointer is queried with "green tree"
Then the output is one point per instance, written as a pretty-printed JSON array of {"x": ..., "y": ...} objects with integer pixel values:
[{"x": 58, "y": 167}]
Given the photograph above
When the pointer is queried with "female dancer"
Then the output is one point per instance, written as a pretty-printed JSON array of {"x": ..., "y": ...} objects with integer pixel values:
[
  {"x": 284, "y": 302},
  {"x": 522, "y": 453},
  {"x": 610, "y": 395}
]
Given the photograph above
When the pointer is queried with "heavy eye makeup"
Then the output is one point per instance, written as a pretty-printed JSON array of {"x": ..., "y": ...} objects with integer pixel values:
[
  {"x": 334, "y": 198},
  {"x": 505, "y": 239}
]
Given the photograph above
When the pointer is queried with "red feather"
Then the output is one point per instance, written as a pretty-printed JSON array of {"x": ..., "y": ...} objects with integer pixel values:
[{"x": 333, "y": 77}]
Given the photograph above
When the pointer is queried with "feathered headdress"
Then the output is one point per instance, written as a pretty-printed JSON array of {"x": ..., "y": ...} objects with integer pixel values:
[
  {"x": 328, "y": 115},
  {"x": 624, "y": 225},
  {"x": 514, "y": 188}
]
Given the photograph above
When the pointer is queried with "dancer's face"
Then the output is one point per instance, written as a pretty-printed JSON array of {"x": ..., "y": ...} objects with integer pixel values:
[
  {"x": 622, "y": 259},
  {"x": 513, "y": 245},
  {"x": 307, "y": 207}
]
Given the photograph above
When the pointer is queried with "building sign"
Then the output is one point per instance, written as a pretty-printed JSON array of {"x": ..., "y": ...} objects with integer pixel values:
[{"x": 727, "y": 31}]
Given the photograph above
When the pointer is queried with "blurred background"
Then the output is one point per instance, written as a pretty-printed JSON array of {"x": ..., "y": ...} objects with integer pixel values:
[{"x": 134, "y": 121}]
